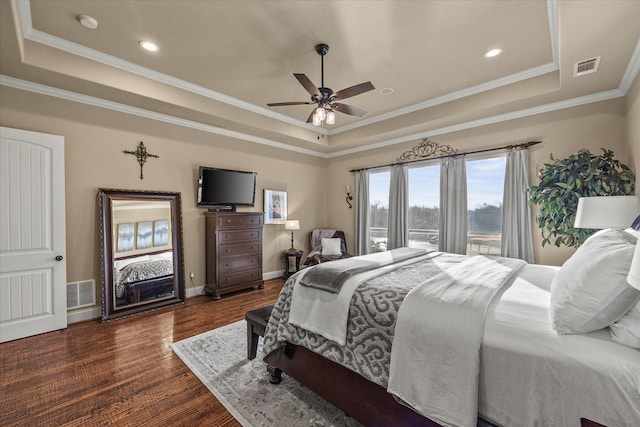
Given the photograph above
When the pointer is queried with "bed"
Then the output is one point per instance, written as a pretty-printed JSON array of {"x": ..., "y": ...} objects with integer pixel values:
[
  {"x": 142, "y": 277},
  {"x": 528, "y": 373}
]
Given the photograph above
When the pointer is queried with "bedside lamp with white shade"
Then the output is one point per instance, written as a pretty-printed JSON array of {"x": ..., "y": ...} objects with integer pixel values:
[
  {"x": 607, "y": 212},
  {"x": 633, "y": 278},
  {"x": 292, "y": 225}
]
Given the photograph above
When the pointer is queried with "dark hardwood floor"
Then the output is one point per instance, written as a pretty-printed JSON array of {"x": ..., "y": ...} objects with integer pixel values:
[{"x": 121, "y": 373}]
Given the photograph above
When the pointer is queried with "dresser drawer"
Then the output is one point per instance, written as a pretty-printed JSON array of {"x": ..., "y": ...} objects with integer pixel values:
[
  {"x": 232, "y": 264},
  {"x": 246, "y": 276},
  {"x": 234, "y": 221},
  {"x": 240, "y": 250},
  {"x": 233, "y": 236}
]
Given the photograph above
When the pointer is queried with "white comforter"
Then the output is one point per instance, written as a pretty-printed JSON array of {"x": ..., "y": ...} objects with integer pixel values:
[{"x": 435, "y": 358}]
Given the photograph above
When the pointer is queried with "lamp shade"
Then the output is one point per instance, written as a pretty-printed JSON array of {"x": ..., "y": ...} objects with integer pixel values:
[
  {"x": 633, "y": 278},
  {"x": 293, "y": 224},
  {"x": 607, "y": 211}
]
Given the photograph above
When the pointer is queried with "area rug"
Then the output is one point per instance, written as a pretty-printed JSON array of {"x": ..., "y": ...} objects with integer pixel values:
[{"x": 219, "y": 359}]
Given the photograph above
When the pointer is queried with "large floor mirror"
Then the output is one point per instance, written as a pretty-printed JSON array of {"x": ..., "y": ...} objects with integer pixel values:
[{"x": 141, "y": 250}]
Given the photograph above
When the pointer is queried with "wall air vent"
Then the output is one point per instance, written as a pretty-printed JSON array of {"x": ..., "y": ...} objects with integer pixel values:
[
  {"x": 587, "y": 66},
  {"x": 81, "y": 294}
]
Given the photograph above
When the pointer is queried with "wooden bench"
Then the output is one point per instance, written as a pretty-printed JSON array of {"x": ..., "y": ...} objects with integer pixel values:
[{"x": 256, "y": 324}]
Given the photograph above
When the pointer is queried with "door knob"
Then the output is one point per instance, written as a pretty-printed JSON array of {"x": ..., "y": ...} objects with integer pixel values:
[{"x": 59, "y": 258}]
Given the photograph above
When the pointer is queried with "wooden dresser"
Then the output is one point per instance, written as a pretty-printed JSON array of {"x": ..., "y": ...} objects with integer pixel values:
[{"x": 233, "y": 252}]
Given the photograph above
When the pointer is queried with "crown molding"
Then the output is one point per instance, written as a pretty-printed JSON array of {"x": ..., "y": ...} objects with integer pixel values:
[
  {"x": 147, "y": 114},
  {"x": 560, "y": 105},
  {"x": 123, "y": 108},
  {"x": 632, "y": 70}
]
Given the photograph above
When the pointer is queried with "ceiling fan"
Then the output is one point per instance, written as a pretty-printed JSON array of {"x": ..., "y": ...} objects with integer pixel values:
[{"x": 325, "y": 98}]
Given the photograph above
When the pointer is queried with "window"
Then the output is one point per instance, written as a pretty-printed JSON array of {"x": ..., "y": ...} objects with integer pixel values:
[
  {"x": 485, "y": 186},
  {"x": 379, "y": 210},
  {"x": 424, "y": 206}
]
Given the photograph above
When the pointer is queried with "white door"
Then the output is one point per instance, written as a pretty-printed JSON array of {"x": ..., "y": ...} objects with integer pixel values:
[{"x": 32, "y": 234}]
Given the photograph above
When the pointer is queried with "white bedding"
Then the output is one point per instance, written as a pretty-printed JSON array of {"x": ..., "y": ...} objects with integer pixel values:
[
  {"x": 435, "y": 358},
  {"x": 528, "y": 371}
]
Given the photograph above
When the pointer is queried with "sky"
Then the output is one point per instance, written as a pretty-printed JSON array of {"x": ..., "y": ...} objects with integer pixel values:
[{"x": 485, "y": 183}]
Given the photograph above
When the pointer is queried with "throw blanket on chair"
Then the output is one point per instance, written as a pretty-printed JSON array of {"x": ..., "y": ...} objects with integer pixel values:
[{"x": 435, "y": 357}]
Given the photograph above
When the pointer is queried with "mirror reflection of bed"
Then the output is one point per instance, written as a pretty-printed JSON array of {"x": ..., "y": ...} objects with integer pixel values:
[
  {"x": 141, "y": 251},
  {"x": 143, "y": 263},
  {"x": 143, "y": 278}
]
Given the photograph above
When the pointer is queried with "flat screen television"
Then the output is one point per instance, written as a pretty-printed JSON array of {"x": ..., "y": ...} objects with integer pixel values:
[{"x": 225, "y": 188}]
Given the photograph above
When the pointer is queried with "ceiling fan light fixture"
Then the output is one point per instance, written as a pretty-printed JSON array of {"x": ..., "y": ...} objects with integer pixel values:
[
  {"x": 321, "y": 114},
  {"x": 331, "y": 117},
  {"x": 316, "y": 119}
]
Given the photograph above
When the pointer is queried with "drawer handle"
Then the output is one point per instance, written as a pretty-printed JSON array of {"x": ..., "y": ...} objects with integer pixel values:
[
  {"x": 228, "y": 221},
  {"x": 226, "y": 280},
  {"x": 226, "y": 236}
]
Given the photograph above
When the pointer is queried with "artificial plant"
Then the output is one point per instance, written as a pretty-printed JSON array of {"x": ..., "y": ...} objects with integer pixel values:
[{"x": 564, "y": 181}]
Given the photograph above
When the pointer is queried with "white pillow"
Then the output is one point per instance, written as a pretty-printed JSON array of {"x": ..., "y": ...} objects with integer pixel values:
[
  {"x": 626, "y": 331},
  {"x": 331, "y": 246},
  {"x": 590, "y": 291},
  {"x": 122, "y": 263}
]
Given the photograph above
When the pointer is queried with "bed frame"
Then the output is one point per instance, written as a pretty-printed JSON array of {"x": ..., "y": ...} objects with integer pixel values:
[{"x": 362, "y": 400}]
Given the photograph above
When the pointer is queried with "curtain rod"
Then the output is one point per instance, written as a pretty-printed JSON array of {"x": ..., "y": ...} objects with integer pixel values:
[{"x": 506, "y": 147}]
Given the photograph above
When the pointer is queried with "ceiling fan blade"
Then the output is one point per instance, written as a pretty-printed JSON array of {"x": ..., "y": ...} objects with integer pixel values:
[
  {"x": 354, "y": 90},
  {"x": 280, "y": 104},
  {"x": 348, "y": 109},
  {"x": 308, "y": 84},
  {"x": 310, "y": 118}
]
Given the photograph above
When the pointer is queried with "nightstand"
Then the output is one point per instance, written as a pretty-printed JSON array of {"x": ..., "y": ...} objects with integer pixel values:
[{"x": 288, "y": 254}]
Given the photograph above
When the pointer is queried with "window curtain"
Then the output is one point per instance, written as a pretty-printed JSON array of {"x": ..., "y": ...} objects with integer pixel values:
[
  {"x": 517, "y": 239},
  {"x": 398, "y": 232},
  {"x": 453, "y": 205},
  {"x": 362, "y": 214}
]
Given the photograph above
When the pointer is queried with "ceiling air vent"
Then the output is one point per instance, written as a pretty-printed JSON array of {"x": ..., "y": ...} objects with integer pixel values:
[{"x": 587, "y": 66}]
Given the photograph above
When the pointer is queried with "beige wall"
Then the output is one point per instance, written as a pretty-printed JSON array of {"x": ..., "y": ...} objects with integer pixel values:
[
  {"x": 94, "y": 141},
  {"x": 563, "y": 133}
]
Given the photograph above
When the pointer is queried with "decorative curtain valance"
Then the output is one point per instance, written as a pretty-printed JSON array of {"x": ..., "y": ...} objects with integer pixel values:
[{"x": 428, "y": 149}]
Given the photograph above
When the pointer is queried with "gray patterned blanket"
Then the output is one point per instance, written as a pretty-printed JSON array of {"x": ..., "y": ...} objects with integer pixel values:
[
  {"x": 330, "y": 276},
  {"x": 371, "y": 324},
  {"x": 143, "y": 270}
]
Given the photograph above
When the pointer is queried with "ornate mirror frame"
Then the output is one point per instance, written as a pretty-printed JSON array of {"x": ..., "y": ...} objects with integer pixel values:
[{"x": 165, "y": 290}]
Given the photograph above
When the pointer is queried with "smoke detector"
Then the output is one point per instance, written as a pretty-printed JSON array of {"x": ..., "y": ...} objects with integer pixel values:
[
  {"x": 88, "y": 21},
  {"x": 587, "y": 66}
]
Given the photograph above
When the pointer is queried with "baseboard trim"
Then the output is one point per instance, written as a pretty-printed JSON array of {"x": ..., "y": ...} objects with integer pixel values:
[{"x": 95, "y": 312}]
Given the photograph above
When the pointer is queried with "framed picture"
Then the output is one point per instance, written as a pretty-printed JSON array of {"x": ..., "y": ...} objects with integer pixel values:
[
  {"x": 145, "y": 235},
  {"x": 125, "y": 237},
  {"x": 161, "y": 232},
  {"x": 275, "y": 207}
]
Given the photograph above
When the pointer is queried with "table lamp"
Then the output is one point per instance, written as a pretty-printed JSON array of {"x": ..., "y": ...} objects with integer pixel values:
[
  {"x": 633, "y": 278},
  {"x": 293, "y": 224},
  {"x": 607, "y": 212}
]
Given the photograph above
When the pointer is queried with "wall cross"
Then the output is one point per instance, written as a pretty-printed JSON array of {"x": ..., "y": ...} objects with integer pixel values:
[{"x": 141, "y": 155}]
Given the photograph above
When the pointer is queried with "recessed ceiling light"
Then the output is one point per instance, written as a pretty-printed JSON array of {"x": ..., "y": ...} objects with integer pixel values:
[
  {"x": 492, "y": 53},
  {"x": 386, "y": 91},
  {"x": 150, "y": 46},
  {"x": 88, "y": 21}
]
